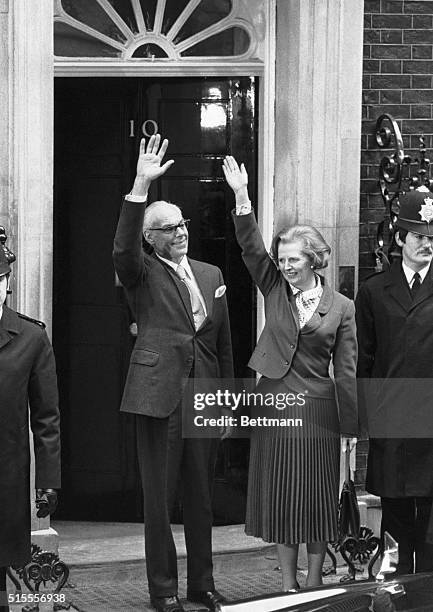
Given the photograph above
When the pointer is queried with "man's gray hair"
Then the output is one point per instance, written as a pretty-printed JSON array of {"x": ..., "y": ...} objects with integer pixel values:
[{"x": 151, "y": 212}]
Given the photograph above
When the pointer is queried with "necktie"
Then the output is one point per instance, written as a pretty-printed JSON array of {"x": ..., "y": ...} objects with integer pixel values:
[
  {"x": 415, "y": 285},
  {"x": 196, "y": 305}
]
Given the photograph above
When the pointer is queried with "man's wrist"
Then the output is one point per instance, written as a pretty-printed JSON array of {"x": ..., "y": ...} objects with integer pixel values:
[
  {"x": 140, "y": 187},
  {"x": 136, "y": 198}
]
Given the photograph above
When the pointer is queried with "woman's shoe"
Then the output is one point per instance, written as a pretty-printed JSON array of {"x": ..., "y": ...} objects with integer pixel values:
[{"x": 295, "y": 589}]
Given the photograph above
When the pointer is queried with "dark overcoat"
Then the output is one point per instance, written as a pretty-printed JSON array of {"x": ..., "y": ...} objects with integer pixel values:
[
  {"x": 168, "y": 346},
  {"x": 395, "y": 371},
  {"x": 28, "y": 386}
]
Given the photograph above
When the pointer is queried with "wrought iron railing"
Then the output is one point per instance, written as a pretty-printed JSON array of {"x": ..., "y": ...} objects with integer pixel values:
[{"x": 398, "y": 173}]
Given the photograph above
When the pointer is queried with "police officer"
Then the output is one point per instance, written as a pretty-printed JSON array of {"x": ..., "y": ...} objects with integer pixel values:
[
  {"x": 28, "y": 385},
  {"x": 394, "y": 315}
]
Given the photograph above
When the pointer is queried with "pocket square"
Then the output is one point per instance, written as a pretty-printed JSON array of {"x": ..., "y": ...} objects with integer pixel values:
[{"x": 220, "y": 291}]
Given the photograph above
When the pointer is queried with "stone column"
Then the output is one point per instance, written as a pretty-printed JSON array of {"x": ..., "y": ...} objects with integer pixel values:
[
  {"x": 4, "y": 115},
  {"x": 30, "y": 208},
  {"x": 32, "y": 154},
  {"x": 318, "y": 123}
]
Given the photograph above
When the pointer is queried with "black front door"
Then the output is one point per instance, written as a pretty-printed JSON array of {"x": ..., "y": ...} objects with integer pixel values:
[{"x": 98, "y": 125}]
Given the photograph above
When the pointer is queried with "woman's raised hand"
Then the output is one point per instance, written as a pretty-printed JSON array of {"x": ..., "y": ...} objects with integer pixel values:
[{"x": 236, "y": 177}]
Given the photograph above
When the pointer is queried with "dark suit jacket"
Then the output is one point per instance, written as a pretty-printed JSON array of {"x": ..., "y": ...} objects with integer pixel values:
[
  {"x": 283, "y": 348},
  {"x": 395, "y": 336},
  {"x": 167, "y": 345},
  {"x": 27, "y": 380}
]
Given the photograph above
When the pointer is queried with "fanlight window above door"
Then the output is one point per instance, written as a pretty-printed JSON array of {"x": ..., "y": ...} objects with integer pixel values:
[{"x": 155, "y": 29}]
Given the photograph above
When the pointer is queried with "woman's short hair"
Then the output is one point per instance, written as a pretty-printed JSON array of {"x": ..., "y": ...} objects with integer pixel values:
[{"x": 315, "y": 246}]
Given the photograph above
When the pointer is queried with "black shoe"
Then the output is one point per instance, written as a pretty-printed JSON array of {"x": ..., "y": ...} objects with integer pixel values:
[
  {"x": 209, "y": 598},
  {"x": 167, "y": 604}
]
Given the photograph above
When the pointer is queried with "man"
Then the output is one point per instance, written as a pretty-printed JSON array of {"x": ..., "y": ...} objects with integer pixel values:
[
  {"x": 394, "y": 314},
  {"x": 27, "y": 384},
  {"x": 183, "y": 332}
]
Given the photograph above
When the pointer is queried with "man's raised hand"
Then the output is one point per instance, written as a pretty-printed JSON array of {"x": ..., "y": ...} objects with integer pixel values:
[{"x": 149, "y": 162}]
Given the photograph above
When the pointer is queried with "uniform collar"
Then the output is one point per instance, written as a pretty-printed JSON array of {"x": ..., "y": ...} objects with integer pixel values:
[
  {"x": 409, "y": 273},
  {"x": 395, "y": 280},
  {"x": 10, "y": 320}
]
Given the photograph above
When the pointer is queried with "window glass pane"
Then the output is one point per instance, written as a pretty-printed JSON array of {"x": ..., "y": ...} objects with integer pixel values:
[
  {"x": 124, "y": 9},
  {"x": 148, "y": 8},
  {"x": 233, "y": 41},
  {"x": 69, "y": 42},
  {"x": 206, "y": 14},
  {"x": 149, "y": 50},
  {"x": 91, "y": 14},
  {"x": 173, "y": 9}
]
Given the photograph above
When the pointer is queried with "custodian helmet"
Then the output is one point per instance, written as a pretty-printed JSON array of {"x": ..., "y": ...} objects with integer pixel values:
[{"x": 416, "y": 212}]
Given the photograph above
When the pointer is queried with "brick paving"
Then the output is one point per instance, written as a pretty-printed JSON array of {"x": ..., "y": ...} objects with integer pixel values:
[{"x": 123, "y": 588}]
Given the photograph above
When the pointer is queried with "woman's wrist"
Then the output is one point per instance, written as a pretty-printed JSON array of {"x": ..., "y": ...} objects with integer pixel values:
[
  {"x": 241, "y": 194},
  {"x": 243, "y": 203}
]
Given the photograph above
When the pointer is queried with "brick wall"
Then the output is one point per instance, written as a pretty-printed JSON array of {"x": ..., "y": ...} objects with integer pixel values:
[{"x": 397, "y": 79}]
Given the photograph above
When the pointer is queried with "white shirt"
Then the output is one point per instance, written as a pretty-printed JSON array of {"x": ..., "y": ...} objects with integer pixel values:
[
  {"x": 409, "y": 273},
  {"x": 185, "y": 265}
]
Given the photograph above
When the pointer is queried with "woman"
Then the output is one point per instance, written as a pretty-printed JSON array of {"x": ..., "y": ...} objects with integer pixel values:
[{"x": 294, "y": 471}]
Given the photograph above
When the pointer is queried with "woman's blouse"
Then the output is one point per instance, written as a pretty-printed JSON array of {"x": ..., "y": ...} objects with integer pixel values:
[{"x": 307, "y": 301}]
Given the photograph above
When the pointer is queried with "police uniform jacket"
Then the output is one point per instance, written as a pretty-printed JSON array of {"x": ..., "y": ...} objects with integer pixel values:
[
  {"x": 302, "y": 357},
  {"x": 395, "y": 337},
  {"x": 28, "y": 386},
  {"x": 168, "y": 349}
]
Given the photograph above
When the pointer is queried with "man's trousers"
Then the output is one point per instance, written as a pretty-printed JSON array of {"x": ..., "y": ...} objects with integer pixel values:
[
  {"x": 165, "y": 459},
  {"x": 406, "y": 519}
]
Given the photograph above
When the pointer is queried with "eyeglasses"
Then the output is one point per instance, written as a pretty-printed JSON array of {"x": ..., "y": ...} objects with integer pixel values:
[{"x": 171, "y": 229}]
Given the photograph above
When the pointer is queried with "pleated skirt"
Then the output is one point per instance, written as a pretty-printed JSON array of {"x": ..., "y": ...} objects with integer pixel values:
[{"x": 294, "y": 473}]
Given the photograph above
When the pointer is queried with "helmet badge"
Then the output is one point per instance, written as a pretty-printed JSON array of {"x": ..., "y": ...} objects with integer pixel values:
[{"x": 426, "y": 211}]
